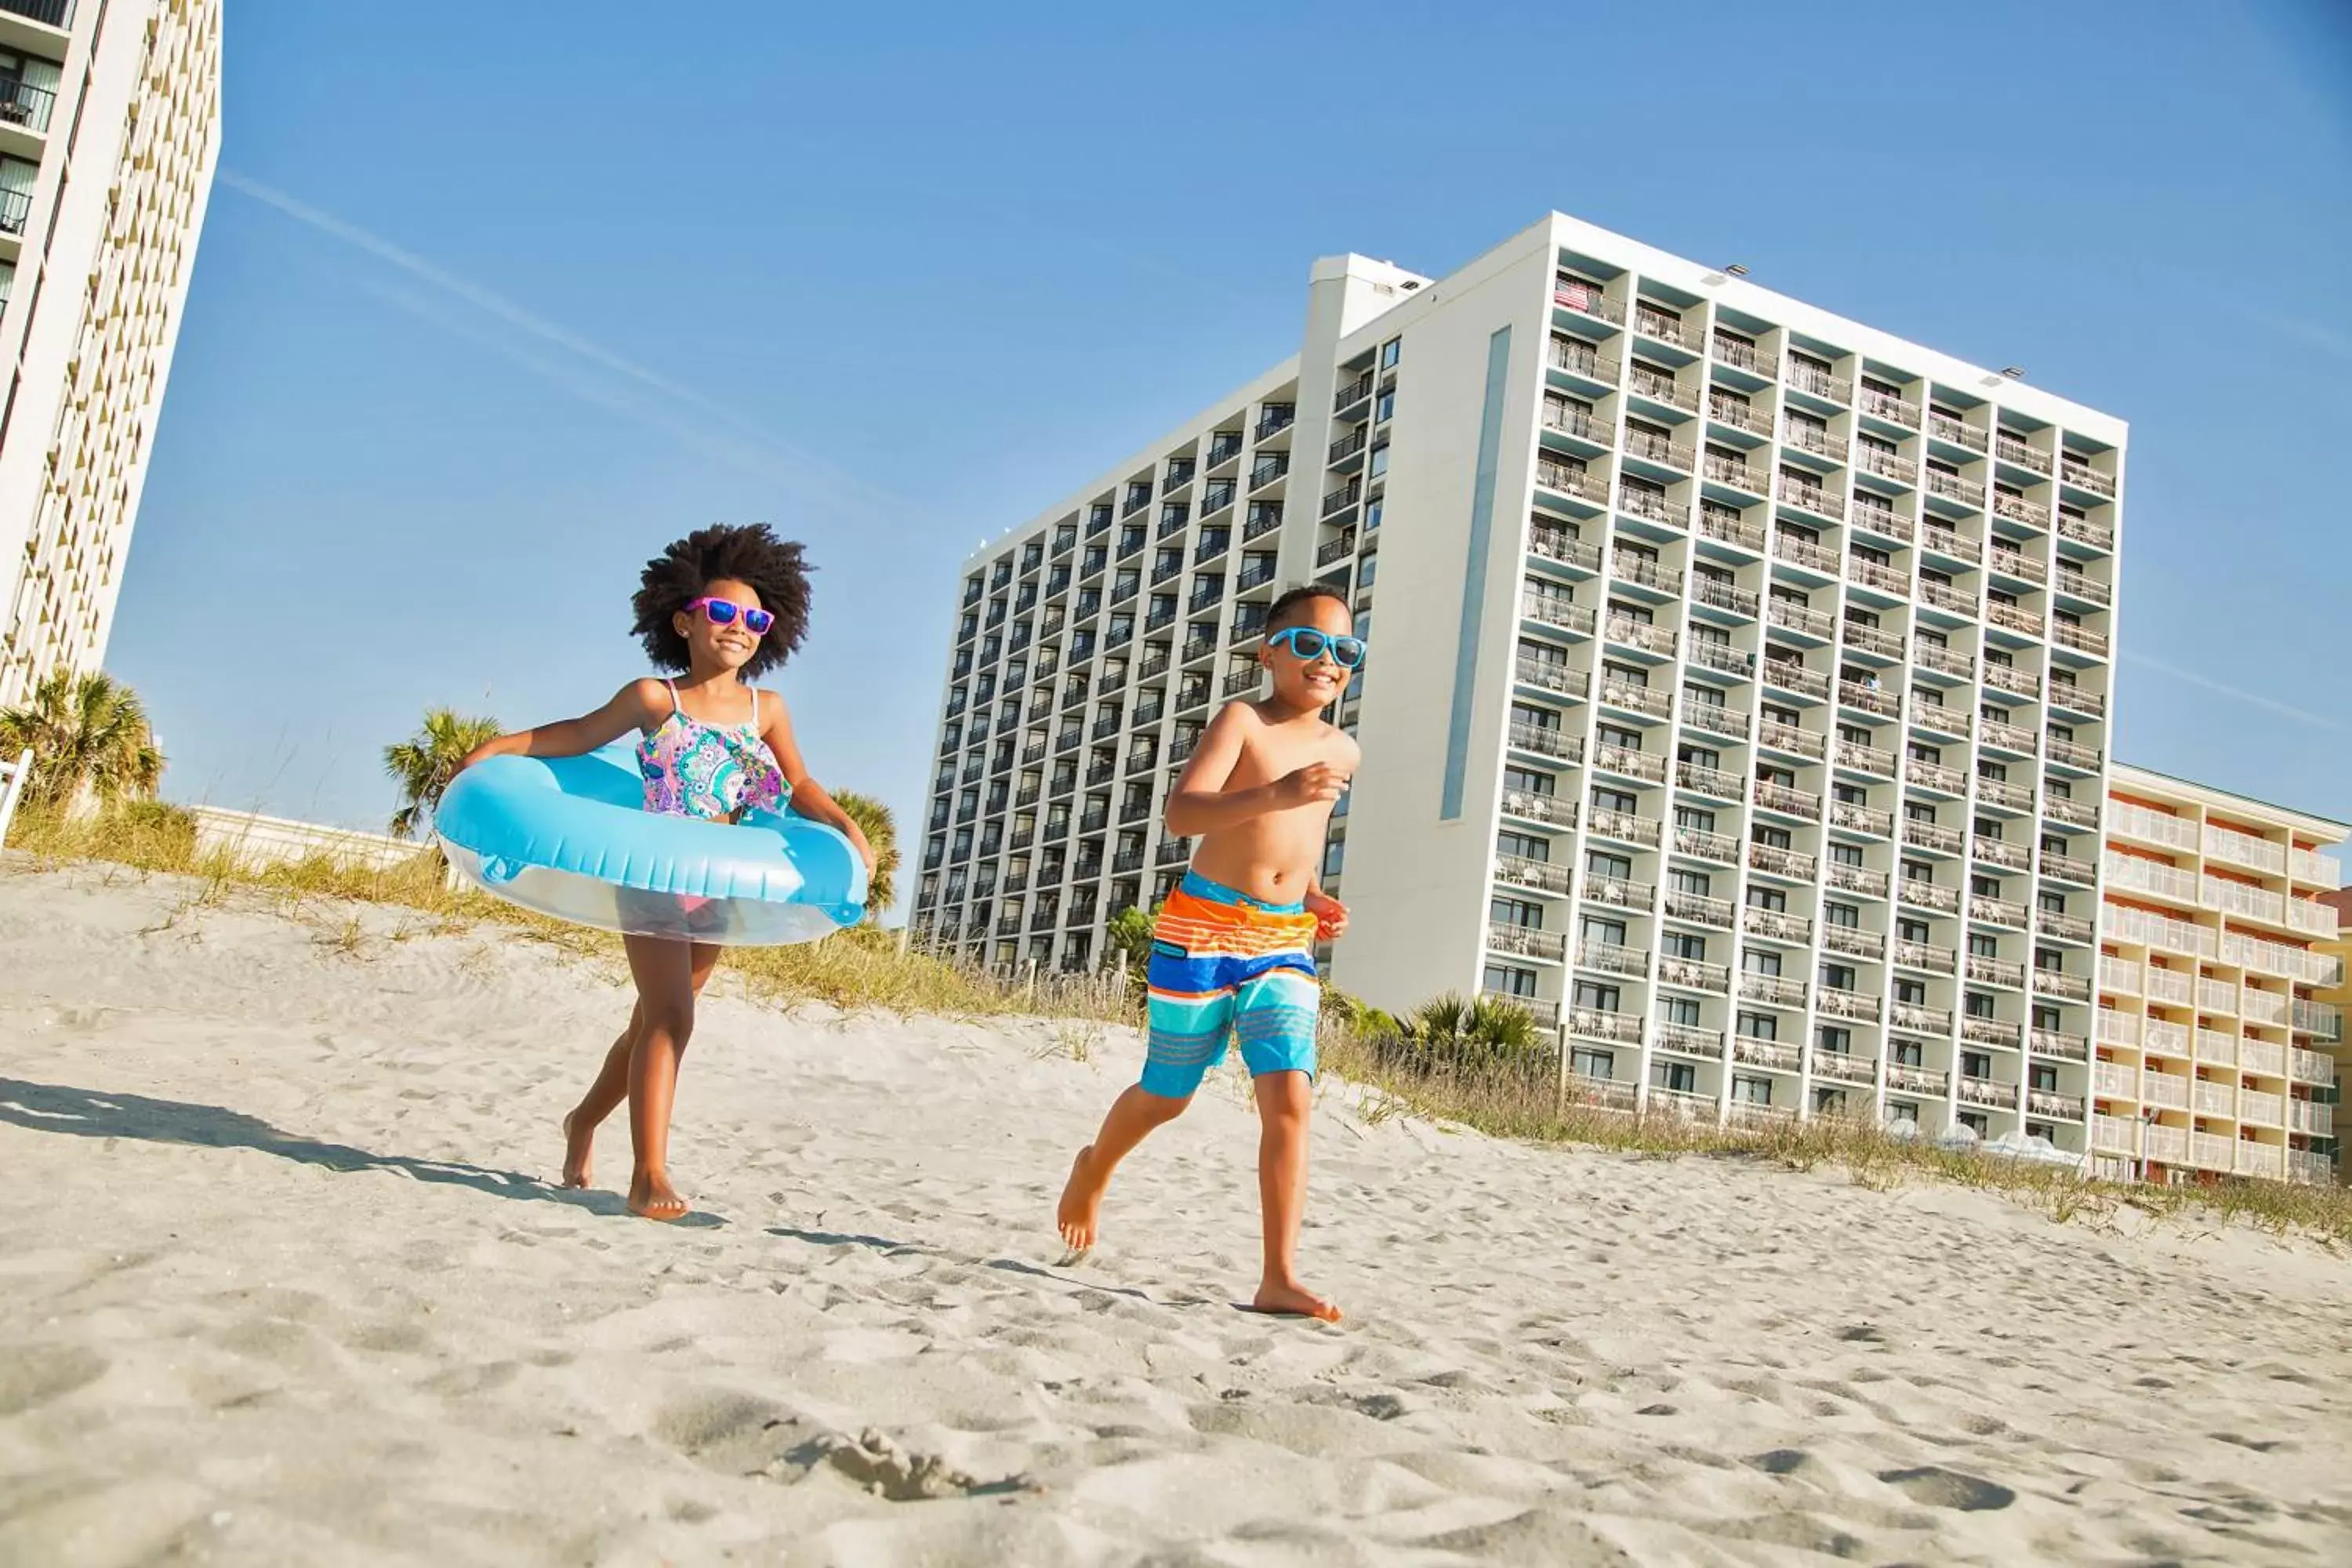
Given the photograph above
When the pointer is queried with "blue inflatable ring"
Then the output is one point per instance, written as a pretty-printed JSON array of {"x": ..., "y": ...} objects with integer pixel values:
[{"x": 570, "y": 837}]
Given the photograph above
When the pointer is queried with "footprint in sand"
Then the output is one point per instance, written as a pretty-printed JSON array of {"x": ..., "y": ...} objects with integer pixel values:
[{"x": 1932, "y": 1486}]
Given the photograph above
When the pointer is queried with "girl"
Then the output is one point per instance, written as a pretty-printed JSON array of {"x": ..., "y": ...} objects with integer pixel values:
[{"x": 720, "y": 604}]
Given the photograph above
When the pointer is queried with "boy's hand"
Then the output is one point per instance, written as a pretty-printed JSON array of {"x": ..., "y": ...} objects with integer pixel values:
[
  {"x": 1331, "y": 915},
  {"x": 1309, "y": 785}
]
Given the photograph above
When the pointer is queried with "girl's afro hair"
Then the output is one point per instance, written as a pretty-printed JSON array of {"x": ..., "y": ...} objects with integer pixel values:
[{"x": 748, "y": 554}]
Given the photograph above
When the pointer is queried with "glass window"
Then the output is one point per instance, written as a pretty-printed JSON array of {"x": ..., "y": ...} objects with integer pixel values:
[{"x": 1390, "y": 351}]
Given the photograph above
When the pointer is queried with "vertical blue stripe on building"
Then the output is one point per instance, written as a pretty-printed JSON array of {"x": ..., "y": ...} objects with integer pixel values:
[{"x": 1474, "y": 575}]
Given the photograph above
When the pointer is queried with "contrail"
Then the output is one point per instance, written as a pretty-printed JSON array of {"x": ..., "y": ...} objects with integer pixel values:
[
  {"x": 2252, "y": 699},
  {"x": 498, "y": 305}
]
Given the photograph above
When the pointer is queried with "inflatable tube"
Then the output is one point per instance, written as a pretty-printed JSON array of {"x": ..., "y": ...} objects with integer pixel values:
[{"x": 570, "y": 837}]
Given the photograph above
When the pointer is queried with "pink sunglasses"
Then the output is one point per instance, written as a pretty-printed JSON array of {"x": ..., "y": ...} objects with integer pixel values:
[{"x": 722, "y": 612}]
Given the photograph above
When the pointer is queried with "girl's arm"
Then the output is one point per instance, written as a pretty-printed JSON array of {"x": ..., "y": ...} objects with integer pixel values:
[
  {"x": 632, "y": 708},
  {"x": 808, "y": 796}
]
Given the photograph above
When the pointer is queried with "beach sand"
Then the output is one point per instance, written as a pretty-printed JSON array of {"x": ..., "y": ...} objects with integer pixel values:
[{"x": 286, "y": 1282}]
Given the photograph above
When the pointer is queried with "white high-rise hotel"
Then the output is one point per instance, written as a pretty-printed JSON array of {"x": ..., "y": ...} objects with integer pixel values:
[
  {"x": 110, "y": 130},
  {"x": 1738, "y": 699}
]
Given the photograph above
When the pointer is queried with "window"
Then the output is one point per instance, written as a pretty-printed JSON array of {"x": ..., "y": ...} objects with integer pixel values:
[
  {"x": 1983, "y": 946},
  {"x": 1678, "y": 1078},
  {"x": 1836, "y": 1041},
  {"x": 1978, "y": 1003},
  {"x": 1838, "y": 976},
  {"x": 1526, "y": 846},
  {"x": 1837, "y": 914},
  {"x": 1373, "y": 507},
  {"x": 1772, "y": 898},
  {"x": 1607, "y": 799},
  {"x": 1379, "y": 464},
  {"x": 1911, "y": 930},
  {"x": 1760, "y": 1026},
  {"x": 1759, "y": 961},
  {"x": 1519, "y": 912},
  {"x": 1693, "y": 819},
  {"x": 1984, "y": 887},
  {"x": 1901, "y": 1110},
  {"x": 1976, "y": 1063},
  {"x": 1678, "y": 944},
  {"x": 2044, "y": 1078},
  {"x": 1603, "y": 931},
  {"x": 1695, "y": 883},
  {"x": 2045, "y": 1018},
  {"x": 1911, "y": 993},
  {"x": 1909, "y": 1054},
  {"x": 1771, "y": 838},
  {"x": 1529, "y": 782},
  {"x": 1390, "y": 351},
  {"x": 1593, "y": 997},
  {"x": 1509, "y": 980},
  {"x": 1845, "y": 854},
  {"x": 1682, "y": 1012},
  {"x": 1600, "y": 863},
  {"x": 1586, "y": 1062},
  {"x": 1750, "y": 1091}
]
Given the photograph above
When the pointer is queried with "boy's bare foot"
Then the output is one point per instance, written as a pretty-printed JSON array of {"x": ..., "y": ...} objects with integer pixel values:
[
  {"x": 654, "y": 1198},
  {"x": 578, "y": 1143},
  {"x": 1294, "y": 1301},
  {"x": 1079, "y": 1216}
]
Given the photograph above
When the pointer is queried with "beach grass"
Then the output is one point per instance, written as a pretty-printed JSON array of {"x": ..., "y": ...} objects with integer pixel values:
[{"x": 1523, "y": 1098}]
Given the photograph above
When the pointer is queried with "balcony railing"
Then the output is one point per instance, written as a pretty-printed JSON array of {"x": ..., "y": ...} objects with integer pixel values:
[
  {"x": 1871, "y": 639},
  {"x": 1544, "y": 1013},
  {"x": 1802, "y": 618},
  {"x": 1586, "y": 298},
  {"x": 1868, "y": 699},
  {"x": 1819, "y": 383},
  {"x": 1631, "y": 764},
  {"x": 1985, "y": 1091},
  {"x": 1714, "y": 719},
  {"x": 1836, "y": 1003},
  {"x": 1628, "y": 567},
  {"x": 1566, "y": 479},
  {"x": 1774, "y": 989},
  {"x": 1704, "y": 845},
  {"x": 1740, "y": 351},
  {"x": 1689, "y": 1042},
  {"x": 2082, "y": 530},
  {"x": 1916, "y": 1080},
  {"x": 1856, "y": 818},
  {"x": 1768, "y": 1054},
  {"x": 1646, "y": 382},
  {"x": 1621, "y": 1028},
  {"x": 1923, "y": 894},
  {"x": 1620, "y": 892},
  {"x": 1777, "y": 925},
  {"x": 1643, "y": 635},
  {"x": 1538, "y": 807},
  {"x": 1860, "y": 879},
  {"x": 2082, "y": 639},
  {"x": 2009, "y": 448},
  {"x": 1626, "y": 826},
  {"x": 1710, "y": 781},
  {"x": 1722, "y": 656},
  {"x": 1926, "y": 956},
  {"x": 1739, "y": 475},
  {"x": 1525, "y": 942},
  {"x": 1788, "y": 800},
  {"x": 1693, "y": 974},
  {"x": 1546, "y": 740},
  {"x": 1553, "y": 674},
  {"x": 1553, "y": 544},
  {"x": 1699, "y": 910},
  {"x": 1990, "y": 910},
  {"x": 1804, "y": 551},
  {"x": 1821, "y": 502},
  {"x": 1577, "y": 359},
  {"x": 1523, "y": 871},
  {"x": 1781, "y": 862},
  {"x": 1636, "y": 699},
  {"x": 1789, "y": 738}
]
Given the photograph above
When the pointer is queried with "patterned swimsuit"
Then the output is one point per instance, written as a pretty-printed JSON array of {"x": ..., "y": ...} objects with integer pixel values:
[{"x": 711, "y": 770}]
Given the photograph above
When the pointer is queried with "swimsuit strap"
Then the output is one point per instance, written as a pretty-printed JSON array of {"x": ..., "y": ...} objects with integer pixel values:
[
  {"x": 674, "y": 705},
  {"x": 755, "y": 710}
]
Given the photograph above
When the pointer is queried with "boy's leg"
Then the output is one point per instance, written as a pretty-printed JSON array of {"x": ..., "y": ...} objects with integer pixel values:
[
  {"x": 1275, "y": 1016},
  {"x": 1189, "y": 1027},
  {"x": 663, "y": 970},
  {"x": 612, "y": 1085}
]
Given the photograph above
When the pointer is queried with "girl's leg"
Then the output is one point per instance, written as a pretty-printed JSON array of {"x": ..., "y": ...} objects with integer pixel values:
[
  {"x": 665, "y": 975},
  {"x": 612, "y": 1085}
]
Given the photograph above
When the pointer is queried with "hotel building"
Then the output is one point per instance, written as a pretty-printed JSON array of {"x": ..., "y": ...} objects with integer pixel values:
[
  {"x": 1737, "y": 701},
  {"x": 2212, "y": 1046},
  {"x": 110, "y": 130}
]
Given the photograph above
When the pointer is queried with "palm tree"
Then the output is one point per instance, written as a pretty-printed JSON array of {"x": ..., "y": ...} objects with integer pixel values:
[
  {"x": 881, "y": 829},
  {"x": 1454, "y": 1028},
  {"x": 89, "y": 740},
  {"x": 423, "y": 764}
]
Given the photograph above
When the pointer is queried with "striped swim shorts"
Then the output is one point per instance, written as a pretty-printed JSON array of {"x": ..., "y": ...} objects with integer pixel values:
[{"x": 1226, "y": 966}]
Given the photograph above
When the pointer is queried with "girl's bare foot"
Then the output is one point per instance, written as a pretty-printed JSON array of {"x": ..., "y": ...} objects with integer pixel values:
[
  {"x": 1293, "y": 1301},
  {"x": 578, "y": 1143},
  {"x": 1079, "y": 1216},
  {"x": 652, "y": 1197}
]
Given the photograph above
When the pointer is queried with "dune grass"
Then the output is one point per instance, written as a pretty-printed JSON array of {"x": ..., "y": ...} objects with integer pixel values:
[{"x": 1522, "y": 1097}]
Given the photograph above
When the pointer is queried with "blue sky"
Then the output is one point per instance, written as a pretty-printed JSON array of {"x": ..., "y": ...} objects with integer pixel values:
[{"x": 494, "y": 300}]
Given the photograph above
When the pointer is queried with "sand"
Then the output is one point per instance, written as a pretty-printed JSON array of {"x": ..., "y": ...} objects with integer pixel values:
[{"x": 286, "y": 1283}]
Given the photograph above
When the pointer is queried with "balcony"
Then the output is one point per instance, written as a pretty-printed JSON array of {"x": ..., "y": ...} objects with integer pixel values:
[
  {"x": 1643, "y": 382},
  {"x": 1546, "y": 1013},
  {"x": 1796, "y": 617},
  {"x": 1871, "y": 639},
  {"x": 1721, "y": 656},
  {"x": 1877, "y": 574},
  {"x": 2058, "y": 1044},
  {"x": 1819, "y": 383},
  {"x": 1842, "y": 1068},
  {"x": 1636, "y": 699},
  {"x": 1775, "y": 925},
  {"x": 1866, "y": 819},
  {"x": 1704, "y": 845},
  {"x": 1654, "y": 507},
  {"x": 1545, "y": 742},
  {"x": 1622, "y": 1028},
  {"x": 2064, "y": 987},
  {"x": 1985, "y": 1091},
  {"x": 1628, "y": 567},
  {"x": 1563, "y": 479},
  {"x": 1710, "y": 781},
  {"x": 1787, "y": 801},
  {"x": 1935, "y": 776},
  {"x": 1354, "y": 391},
  {"x": 1625, "y": 826},
  {"x": 1523, "y": 871},
  {"x": 1738, "y": 475},
  {"x": 1952, "y": 488},
  {"x": 21, "y": 103},
  {"x": 1999, "y": 971},
  {"x": 2067, "y": 867},
  {"x": 1804, "y": 551},
  {"x": 1687, "y": 1041},
  {"x": 1999, "y": 852},
  {"x": 1858, "y": 879},
  {"x": 1532, "y": 807},
  {"x": 1715, "y": 719},
  {"x": 1693, "y": 974},
  {"x": 1834, "y": 1002},
  {"x": 1789, "y": 738},
  {"x": 1578, "y": 358},
  {"x": 1586, "y": 299},
  {"x": 1909, "y": 1079},
  {"x": 1699, "y": 910},
  {"x": 1662, "y": 449},
  {"x": 1987, "y": 911},
  {"x": 1630, "y": 764},
  {"x": 1263, "y": 519},
  {"x": 1556, "y": 544},
  {"x": 1791, "y": 863},
  {"x": 1268, "y": 468},
  {"x": 1640, "y": 634},
  {"x": 1338, "y": 549},
  {"x": 1953, "y": 546},
  {"x": 1813, "y": 498},
  {"x": 1920, "y": 893},
  {"x": 1740, "y": 351},
  {"x": 1926, "y": 955},
  {"x": 2011, "y": 449},
  {"x": 1618, "y": 892},
  {"x": 1553, "y": 674},
  {"x": 1768, "y": 1054},
  {"x": 1726, "y": 528},
  {"x": 1920, "y": 1019},
  {"x": 1525, "y": 942},
  {"x": 1929, "y": 713},
  {"x": 1868, "y": 699},
  {"x": 1567, "y": 419},
  {"x": 2082, "y": 530},
  {"x": 2081, "y": 639}
]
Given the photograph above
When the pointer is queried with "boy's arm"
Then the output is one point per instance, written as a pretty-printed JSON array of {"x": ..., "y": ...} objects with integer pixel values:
[
  {"x": 628, "y": 709},
  {"x": 1200, "y": 803}
]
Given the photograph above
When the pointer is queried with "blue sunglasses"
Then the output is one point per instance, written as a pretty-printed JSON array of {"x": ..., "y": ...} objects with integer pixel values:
[{"x": 1307, "y": 645}]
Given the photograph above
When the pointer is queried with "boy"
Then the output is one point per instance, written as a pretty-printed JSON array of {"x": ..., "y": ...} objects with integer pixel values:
[{"x": 1232, "y": 951}]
